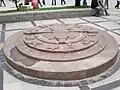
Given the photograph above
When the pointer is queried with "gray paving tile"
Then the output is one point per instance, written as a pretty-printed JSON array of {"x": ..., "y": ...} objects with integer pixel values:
[
  {"x": 118, "y": 21},
  {"x": 9, "y": 33},
  {"x": 12, "y": 86},
  {"x": 59, "y": 88},
  {"x": 114, "y": 11},
  {"x": 95, "y": 26},
  {"x": 18, "y": 25},
  {"x": 109, "y": 25},
  {"x": 117, "y": 31},
  {"x": 72, "y": 20},
  {"x": 46, "y": 22},
  {"x": 112, "y": 17},
  {"x": 11, "y": 81},
  {"x": 108, "y": 86},
  {"x": 112, "y": 79},
  {"x": 94, "y": 19},
  {"x": 117, "y": 88}
]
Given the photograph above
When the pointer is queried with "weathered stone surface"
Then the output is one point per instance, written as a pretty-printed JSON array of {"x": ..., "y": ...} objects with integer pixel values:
[
  {"x": 44, "y": 15},
  {"x": 97, "y": 56}
]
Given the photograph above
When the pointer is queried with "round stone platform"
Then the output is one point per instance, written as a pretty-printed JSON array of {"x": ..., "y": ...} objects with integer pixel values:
[{"x": 61, "y": 52}]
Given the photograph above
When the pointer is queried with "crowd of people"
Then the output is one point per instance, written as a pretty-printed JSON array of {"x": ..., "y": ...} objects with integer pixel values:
[{"x": 95, "y": 4}]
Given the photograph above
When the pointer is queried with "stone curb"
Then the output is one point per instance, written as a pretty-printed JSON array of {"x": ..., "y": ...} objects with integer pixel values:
[
  {"x": 58, "y": 83},
  {"x": 44, "y": 15}
]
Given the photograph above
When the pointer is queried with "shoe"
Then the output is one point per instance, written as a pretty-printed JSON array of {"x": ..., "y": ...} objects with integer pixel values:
[
  {"x": 97, "y": 15},
  {"x": 117, "y": 7}
]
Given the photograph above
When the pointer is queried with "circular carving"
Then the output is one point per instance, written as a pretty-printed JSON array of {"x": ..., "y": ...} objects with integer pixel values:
[
  {"x": 61, "y": 52},
  {"x": 61, "y": 45}
]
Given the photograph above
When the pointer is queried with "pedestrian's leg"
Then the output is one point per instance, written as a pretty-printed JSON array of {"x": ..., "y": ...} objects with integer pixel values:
[
  {"x": 61, "y": 2},
  {"x": 84, "y": 3},
  {"x": 0, "y": 3},
  {"x": 106, "y": 12},
  {"x": 43, "y": 2},
  {"x": 97, "y": 12},
  {"x": 39, "y": 3},
  {"x": 4, "y": 2},
  {"x": 106, "y": 3},
  {"x": 64, "y": 1},
  {"x": 55, "y": 2},
  {"x": 117, "y": 5},
  {"x": 52, "y": 2}
]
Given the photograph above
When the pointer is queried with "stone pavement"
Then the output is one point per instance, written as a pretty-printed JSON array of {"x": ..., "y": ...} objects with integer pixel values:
[{"x": 109, "y": 24}]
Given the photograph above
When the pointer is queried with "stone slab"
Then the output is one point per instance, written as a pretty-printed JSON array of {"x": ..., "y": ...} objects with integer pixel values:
[
  {"x": 94, "y": 19},
  {"x": 114, "y": 11},
  {"x": 117, "y": 88},
  {"x": 9, "y": 33},
  {"x": 44, "y": 15},
  {"x": 118, "y": 22},
  {"x": 117, "y": 37},
  {"x": 13, "y": 86},
  {"x": 109, "y": 25},
  {"x": 112, "y": 17},
  {"x": 46, "y": 22},
  {"x": 95, "y": 26},
  {"x": 114, "y": 77},
  {"x": 11, "y": 83},
  {"x": 117, "y": 31},
  {"x": 18, "y": 25},
  {"x": 72, "y": 20}
]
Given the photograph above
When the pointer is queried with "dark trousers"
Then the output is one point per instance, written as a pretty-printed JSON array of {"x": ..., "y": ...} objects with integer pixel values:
[
  {"x": 53, "y": 2},
  {"x": 63, "y": 2},
  {"x": 117, "y": 5},
  {"x": 2, "y": 1},
  {"x": 106, "y": 3}
]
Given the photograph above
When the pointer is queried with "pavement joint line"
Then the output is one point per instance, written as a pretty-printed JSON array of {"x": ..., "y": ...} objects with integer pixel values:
[
  {"x": 111, "y": 20},
  {"x": 14, "y": 29},
  {"x": 96, "y": 24},
  {"x": 3, "y": 27},
  {"x": 84, "y": 87},
  {"x": 60, "y": 21},
  {"x": 33, "y": 23},
  {"x": 3, "y": 32}
]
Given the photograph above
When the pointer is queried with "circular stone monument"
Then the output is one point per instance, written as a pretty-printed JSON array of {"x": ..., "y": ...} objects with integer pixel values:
[{"x": 61, "y": 52}]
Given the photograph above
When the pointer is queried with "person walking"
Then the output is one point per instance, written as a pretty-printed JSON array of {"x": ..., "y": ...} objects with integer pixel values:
[
  {"x": 98, "y": 6},
  {"x": 117, "y": 5}
]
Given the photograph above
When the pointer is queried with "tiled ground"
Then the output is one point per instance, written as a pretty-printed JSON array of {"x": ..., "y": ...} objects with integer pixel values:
[
  {"x": 110, "y": 24},
  {"x": 46, "y": 22},
  {"x": 18, "y": 25},
  {"x": 72, "y": 20}
]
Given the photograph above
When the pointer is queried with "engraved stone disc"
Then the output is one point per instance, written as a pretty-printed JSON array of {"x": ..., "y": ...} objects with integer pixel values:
[{"x": 61, "y": 52}]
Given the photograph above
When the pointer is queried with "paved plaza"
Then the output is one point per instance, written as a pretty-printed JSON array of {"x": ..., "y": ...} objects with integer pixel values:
[{"x": 109, "y": 24}]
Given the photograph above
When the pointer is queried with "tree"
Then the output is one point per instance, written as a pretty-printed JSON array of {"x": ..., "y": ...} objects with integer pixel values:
[{"x": 77, "y": 2}]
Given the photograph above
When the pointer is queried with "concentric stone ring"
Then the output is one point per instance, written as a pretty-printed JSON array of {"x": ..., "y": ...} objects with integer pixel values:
[{"x": 61, "y": 52}]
